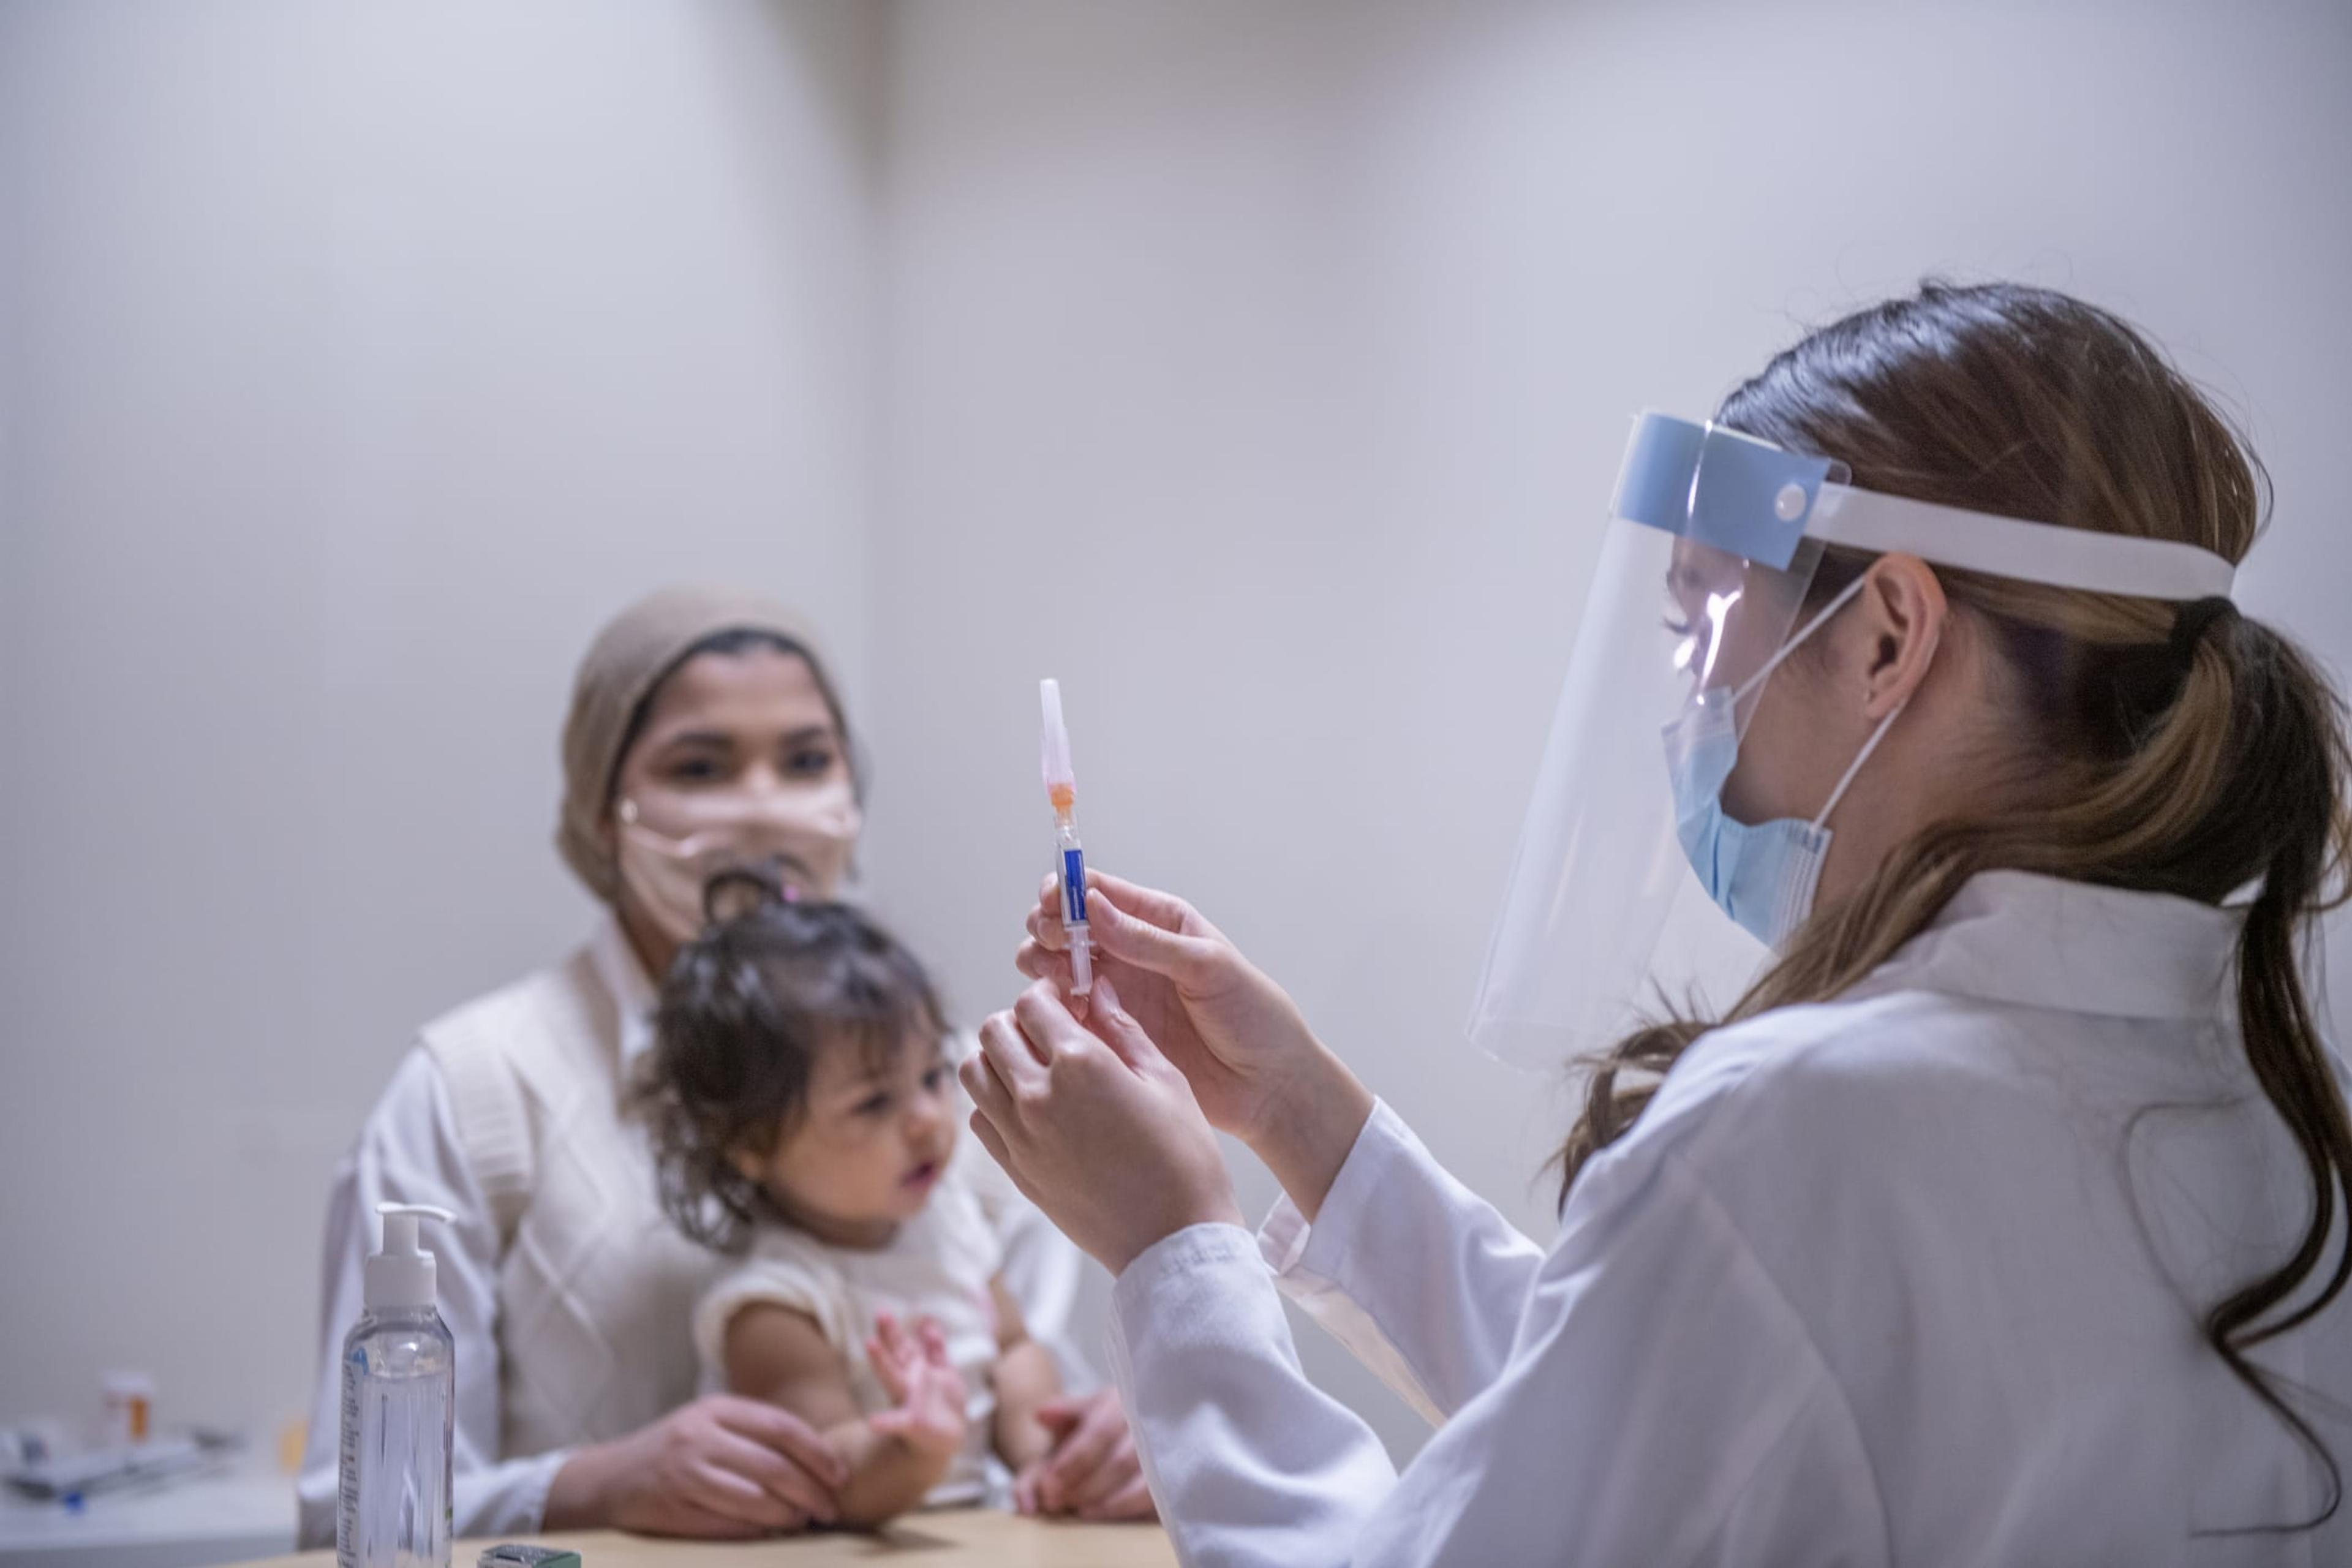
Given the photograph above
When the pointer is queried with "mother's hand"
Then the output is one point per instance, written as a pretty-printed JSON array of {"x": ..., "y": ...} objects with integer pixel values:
[
  {"x": 1091, "y": 1472},
  {"x": 1094, "y": 1125},
  {"x": 721, "y": 1466}
]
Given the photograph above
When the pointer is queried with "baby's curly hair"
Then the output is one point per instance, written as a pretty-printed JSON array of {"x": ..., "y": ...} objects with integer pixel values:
[{"x": 746, "y": 1007}]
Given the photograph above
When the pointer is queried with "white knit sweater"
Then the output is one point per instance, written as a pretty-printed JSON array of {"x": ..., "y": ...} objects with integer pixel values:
[{"x": 596, "y": 1288}]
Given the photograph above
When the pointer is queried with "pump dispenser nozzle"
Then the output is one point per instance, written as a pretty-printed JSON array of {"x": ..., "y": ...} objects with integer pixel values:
[{"x": 402, "y": 1274}]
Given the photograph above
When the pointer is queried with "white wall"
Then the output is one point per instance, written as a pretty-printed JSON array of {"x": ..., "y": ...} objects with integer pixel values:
[
  {"x": 1262, "y": 369},
  {"x": 355, "y": 362}
]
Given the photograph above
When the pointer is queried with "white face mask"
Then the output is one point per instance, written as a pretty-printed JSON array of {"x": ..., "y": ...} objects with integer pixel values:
[{"x": 801, "y": 837}]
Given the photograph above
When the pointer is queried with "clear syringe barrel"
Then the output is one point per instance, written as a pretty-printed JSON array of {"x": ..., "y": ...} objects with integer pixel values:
[{"x": 1072, "y": 871}]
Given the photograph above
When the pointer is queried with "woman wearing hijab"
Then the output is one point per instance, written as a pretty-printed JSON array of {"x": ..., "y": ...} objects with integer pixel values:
[{"x": 704, "y": 734}]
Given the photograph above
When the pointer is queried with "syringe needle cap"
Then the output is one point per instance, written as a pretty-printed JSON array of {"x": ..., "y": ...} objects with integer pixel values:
[{"x": 1054, "y": 747}]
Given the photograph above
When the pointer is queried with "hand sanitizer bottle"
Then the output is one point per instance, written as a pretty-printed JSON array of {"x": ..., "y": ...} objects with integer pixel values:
[{"x": 400, "y": 1388}]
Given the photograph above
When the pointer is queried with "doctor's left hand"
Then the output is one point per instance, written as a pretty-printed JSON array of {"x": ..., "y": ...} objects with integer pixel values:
[{"x": 1094, "y": 1125}]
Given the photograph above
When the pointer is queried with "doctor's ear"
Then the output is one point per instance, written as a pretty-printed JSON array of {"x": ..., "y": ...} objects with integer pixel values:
[{"x": 1903, "y": 608}]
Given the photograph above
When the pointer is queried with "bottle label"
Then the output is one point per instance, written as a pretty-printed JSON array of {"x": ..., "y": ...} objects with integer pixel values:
[{"x": 347, "y": 1464}]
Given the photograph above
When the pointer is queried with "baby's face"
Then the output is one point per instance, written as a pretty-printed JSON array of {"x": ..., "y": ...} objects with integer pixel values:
[{"x": 869, "y": 1144}]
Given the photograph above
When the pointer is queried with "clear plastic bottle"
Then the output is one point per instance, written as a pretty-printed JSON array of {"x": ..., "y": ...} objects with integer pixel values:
[{"x": 400, "y": 1387}]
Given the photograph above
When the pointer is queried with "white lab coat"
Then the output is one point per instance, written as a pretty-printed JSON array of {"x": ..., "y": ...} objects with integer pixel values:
[
  {"x": 410, "y": 1152},
  {"x": 1915, "y": 1276}
]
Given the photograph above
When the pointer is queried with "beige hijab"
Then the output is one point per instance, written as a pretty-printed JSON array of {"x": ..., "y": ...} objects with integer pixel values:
[{"x": 629, "y": 658}]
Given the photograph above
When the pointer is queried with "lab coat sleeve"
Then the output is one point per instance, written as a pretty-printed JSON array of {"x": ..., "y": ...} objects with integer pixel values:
[
  {"x": 1416, "y": 1274},
  {"x": 1661, "y": 1404},
  {"x": 409, "y": 1152}
]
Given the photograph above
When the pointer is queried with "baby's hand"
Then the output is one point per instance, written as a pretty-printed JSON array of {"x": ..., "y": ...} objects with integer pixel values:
[{"x": 928, "y": 1390}]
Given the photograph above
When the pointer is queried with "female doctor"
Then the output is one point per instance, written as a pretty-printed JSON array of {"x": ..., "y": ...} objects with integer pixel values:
[
  {"x": 704, "y": 734},
  {"x": 1999, "y": 1221}
]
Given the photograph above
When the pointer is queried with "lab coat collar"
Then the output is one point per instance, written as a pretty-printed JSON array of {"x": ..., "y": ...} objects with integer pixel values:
[
  {"x": 2044, "y": 942},
  {"x": 625, "y": 979}
]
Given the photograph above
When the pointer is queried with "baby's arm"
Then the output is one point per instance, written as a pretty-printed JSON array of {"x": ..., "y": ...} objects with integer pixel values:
[
  {"x": 894, "y": 1456},
  {"x": 1025, "y": 1377}
]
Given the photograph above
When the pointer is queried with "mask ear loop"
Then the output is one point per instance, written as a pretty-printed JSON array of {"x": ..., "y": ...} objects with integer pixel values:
[
  {"x": 1934, "y": 639},
  {"x": 1740, "y": 693}
]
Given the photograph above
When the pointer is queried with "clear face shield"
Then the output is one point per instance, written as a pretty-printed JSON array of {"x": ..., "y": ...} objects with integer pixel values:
[
  {"x": 1635, "y": 847},
  {"x": 1702, "y": 572}
]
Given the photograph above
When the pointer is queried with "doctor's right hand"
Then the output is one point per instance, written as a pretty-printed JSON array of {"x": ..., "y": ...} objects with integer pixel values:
[
  {"x": 1255, "y": 1067},
  {"x": 722, "y": 1467}
]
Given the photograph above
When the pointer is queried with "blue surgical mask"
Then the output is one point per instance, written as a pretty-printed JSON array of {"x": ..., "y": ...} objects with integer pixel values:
[{"x": 1762, "y": 875}]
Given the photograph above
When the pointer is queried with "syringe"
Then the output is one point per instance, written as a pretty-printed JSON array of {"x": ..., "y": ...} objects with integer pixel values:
[{"x": 1062, "y": 789}]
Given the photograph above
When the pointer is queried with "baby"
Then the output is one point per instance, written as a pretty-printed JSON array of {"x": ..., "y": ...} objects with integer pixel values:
[{"x": 804, "y": 1115}]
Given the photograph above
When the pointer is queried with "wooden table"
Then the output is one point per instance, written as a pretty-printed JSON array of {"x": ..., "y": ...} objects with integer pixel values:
[{"x": 951, "y": 1538}]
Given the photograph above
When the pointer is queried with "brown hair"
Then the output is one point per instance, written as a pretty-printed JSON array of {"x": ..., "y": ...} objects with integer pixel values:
[
  {"x": 2182, "y": 750},
  {"x": 745, "y": 1009}
]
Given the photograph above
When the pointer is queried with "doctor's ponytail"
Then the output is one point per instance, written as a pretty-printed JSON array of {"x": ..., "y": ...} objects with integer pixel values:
[{"x": 2187, "y": 750}]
